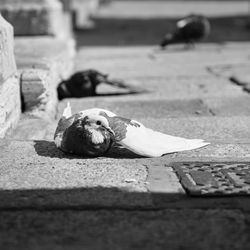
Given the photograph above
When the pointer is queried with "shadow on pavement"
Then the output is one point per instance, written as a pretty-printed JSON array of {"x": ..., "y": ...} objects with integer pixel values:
[
  {"x": 118, "y": 32},
  {"x": 49, "y": 149}
]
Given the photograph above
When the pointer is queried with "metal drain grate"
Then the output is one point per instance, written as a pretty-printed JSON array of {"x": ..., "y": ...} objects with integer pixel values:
[{"x": 214, "y": 179}]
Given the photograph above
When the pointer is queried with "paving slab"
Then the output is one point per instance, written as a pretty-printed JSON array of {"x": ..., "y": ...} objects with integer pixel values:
[
  {"x": 151, "y": 61},
  {"x": 209, "y": 128},
  {"x": 139, "y": 108},
  {"x": 119, "y": 229},
  {"x": 237, "y": 73},
  {"x": 166, "y": 88},
  {"x": 229, "y": 106}
]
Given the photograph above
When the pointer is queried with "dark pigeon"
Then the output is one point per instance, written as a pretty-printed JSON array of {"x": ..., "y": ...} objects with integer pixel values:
[
  {"x": 188, "y": 30},
  {"x": 81, "y": 84},
  {"x": 84, "y": 83}
]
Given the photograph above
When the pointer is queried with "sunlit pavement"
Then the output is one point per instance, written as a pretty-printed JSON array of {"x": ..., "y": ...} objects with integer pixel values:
[{"x": 122, "y": 201}]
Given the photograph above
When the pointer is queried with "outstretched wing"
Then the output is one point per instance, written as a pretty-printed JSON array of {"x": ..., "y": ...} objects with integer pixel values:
[{"x": 147, "y": 142}]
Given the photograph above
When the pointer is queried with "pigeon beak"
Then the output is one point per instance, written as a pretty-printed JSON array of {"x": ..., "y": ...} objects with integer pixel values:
[{"x": 110, "y": 131}]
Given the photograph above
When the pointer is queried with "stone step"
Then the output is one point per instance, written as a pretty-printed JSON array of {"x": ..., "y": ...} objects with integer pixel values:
[
  {"x": 42, "y": 66},
  {"x": 211, "y": 118},
  {"x": 35, "y": 17}
]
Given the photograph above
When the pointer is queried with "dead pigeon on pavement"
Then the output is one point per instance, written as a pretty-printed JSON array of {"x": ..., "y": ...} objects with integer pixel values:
[
  {"x": 188, "y": 30},
  {"x": 92, "y": 132},
  {"x": 84, "y": 83},
  {"x": 78, "y": 135}
]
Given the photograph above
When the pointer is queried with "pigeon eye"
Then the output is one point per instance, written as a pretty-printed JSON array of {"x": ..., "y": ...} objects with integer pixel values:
[{"x": 98, "y": 123}]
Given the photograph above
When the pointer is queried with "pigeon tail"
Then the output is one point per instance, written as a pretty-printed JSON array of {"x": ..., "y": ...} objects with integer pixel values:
[{"x": 67, "y": 111}]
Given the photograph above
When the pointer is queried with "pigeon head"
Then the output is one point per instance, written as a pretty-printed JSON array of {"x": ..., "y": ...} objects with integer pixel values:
[
  {"x": 167, "y": 40},
  {"x": 88, "y": 136},
  {"x": 97, "y": 123}
]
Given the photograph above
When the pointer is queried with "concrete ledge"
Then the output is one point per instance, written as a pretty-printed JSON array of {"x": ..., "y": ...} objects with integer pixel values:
[
  {"x": 7, "y": 60},
  {"x": 42, "y": 65}
]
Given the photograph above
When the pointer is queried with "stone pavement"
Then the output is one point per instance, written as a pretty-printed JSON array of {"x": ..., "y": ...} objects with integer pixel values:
[
  {"x": 50, "y": 200},
  {"x": 124, "y": 198}
]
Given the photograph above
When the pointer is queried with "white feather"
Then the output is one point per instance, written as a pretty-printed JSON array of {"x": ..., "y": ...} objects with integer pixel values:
[
  {"x": 96, "y": 111},
  {"x": 67, "y": 111},
  {"x": 180, "y": 24},
  {"x": 147, "y": 142}
]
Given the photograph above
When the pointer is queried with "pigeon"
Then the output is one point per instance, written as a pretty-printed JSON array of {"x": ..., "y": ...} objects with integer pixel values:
[
  {"x": 84, "y": 83},
  {"x": 188, "y": 30},
  {"x": 76, "y": 134},
  {"x": 93, "y": 132}
]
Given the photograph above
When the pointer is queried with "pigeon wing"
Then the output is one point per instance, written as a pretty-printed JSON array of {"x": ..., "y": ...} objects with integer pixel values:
[
  {"x": 96, "y": 111},
  {"x": 62, "y": 125},
  {"x": 146, "y": 142}
]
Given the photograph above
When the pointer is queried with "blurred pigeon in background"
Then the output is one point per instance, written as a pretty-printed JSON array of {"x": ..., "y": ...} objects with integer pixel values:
[
  {"x": 188, "y": 30},
  {"x": 84, "y": 83},
  {"x": 92, "y": 132}
]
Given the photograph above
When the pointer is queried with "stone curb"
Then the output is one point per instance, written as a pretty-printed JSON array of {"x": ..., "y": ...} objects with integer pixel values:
[{"x": 42, "y": 66}]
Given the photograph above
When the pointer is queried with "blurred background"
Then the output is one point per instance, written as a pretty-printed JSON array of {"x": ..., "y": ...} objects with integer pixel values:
[{"x": 144, "y": 22}]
